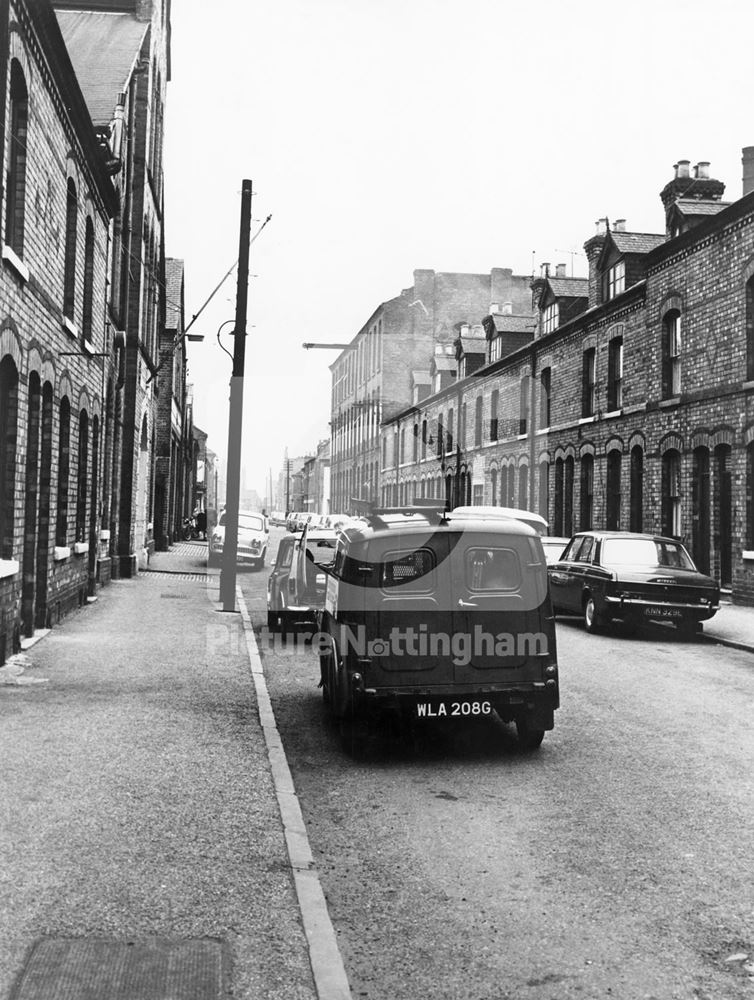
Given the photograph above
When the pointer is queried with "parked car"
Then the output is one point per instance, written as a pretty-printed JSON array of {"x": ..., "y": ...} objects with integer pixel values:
[
  {"x": 293, "y": 598},
  {"x": 554, "y": 547},
  {"x": 253, "y": 534},
  {"x": 535, "y": 521},
  {"x": 608, "y": 576},
  {"x": 473, "y": 594}
]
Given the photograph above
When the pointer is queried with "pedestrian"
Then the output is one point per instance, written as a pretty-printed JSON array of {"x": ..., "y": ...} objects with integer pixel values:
[{"x": 201, "y": 524}]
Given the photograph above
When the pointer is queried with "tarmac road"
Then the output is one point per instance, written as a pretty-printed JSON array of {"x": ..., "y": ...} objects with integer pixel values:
[{"x": 614, "y": 862}]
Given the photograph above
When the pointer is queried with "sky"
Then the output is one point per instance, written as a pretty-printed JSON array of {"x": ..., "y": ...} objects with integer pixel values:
[{"x": 388, "y": 135}]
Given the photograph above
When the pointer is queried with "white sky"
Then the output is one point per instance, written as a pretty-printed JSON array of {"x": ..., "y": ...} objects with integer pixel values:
[{"x": 387, "y": 135}]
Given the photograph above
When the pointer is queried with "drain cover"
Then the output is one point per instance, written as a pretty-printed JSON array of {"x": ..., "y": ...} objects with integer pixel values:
[{"x": 158, "y": 969}]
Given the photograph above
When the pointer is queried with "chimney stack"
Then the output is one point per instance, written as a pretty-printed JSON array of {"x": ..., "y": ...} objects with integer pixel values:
[
  {"x": 748, "y": 163},
  {"x": 560, "y": 270}
]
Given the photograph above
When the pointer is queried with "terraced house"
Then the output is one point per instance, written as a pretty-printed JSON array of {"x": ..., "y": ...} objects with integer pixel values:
[{"x": 629, "y": 406}]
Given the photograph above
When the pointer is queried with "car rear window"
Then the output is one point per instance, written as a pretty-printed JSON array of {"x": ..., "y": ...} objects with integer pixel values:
[
  {"x": 413, "y": 570},
  {"x": 644, "y": 552},
  {"x": 492, "y": 569}
]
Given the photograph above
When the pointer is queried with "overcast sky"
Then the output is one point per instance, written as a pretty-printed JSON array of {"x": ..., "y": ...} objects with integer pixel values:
[{"x": 388, "y": 135}]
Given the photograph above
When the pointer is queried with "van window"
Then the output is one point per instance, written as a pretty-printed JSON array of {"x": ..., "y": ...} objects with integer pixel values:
[
  {"x": 493, "y": 569},
  {"x": 414, "y": 571}
]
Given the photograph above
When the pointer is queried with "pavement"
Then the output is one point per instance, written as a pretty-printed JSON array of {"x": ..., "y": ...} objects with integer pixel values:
[
  {"x": 149, "y": 813},
  {"x": 149, "y": 816}
]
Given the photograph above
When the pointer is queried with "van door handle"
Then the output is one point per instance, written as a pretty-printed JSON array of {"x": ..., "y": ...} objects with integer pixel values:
[{"x": 466, "y": 604}]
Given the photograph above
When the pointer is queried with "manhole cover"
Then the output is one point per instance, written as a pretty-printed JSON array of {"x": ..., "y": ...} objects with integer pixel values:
[{"x": 157, "y": 969}]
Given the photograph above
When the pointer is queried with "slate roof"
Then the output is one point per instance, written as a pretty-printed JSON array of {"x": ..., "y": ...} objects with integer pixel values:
[
  {"x": 691, "y": 206},
  {"x": 514, "y": 324},
  {"x": 103, "y": 49},
  {"x": 173, "y": 287},
  {"x": 636, "y": 242},
  {"x": 573, "y": 288}
]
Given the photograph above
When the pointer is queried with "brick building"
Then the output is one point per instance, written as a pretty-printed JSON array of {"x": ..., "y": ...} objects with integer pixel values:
[
  {"x": 54, "y": 340},
  {"x": 632, "y": 404},
  {"x": 386, "y": 365},
  {"x": 121, "y": 55}
]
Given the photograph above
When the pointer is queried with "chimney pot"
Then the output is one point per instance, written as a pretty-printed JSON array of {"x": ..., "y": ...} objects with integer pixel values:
[
  {"x": 507, "y": 308},
  {"x": 560, "y": 270},
  {"x": 683, "y": 168}
]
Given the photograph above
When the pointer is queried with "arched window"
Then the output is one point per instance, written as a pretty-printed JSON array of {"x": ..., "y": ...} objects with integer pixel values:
[
  {"x": 586, "y": 511},
  {"x": 612, "y": 510},
  {"x": 8, "y": 438},
  {"x": 64, "y": 468},
  {"x": 15, "y": 203},
  {"x": 87, "y": 304},
  {"x": 71, "y": 227},
  {"x": 637, "y": 489},
  {"x": 671, "y": 493},
  {"x": 671, "y": 354}
]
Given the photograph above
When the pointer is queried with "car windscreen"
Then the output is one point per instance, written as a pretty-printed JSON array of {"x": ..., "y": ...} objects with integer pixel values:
[
  {"x": 251, "y": 522},
  {"x": 644, "y": 552}
]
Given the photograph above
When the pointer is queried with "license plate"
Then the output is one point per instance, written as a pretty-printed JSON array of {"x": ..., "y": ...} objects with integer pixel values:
[
  {"x": 452, "y": 709},
  {"x": 672, "y": 613}
]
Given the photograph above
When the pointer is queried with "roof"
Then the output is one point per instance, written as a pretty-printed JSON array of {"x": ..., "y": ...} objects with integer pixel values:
[
  {"x": 103, "y": 49},
  {"x": 173, "y": 293},
  {"x": 513, "y": 324},
  {"x": 636, "y": 242},
  {"x": 701, "y": 206},
  {"x": 574, "y": 288}
]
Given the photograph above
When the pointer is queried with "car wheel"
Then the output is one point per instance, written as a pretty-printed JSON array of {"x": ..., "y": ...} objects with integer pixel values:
[
  {"x": 593, "y": 622},
  {"x": 529, "y": 738}
]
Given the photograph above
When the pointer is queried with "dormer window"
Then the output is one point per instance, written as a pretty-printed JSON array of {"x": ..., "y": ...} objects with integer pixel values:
[
  {"x": 550, "y": 318},
  {"x": 616, "y": 279}
]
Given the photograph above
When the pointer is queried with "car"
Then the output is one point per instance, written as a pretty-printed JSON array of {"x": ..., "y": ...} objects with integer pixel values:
[
  {"x": 553, "y": 546},
  {"x": 430, "y": 614},
  {"x": 253, "y": 535},
  {"x": 293, "y": 599},
  {"x": 535, "y": 521},
  {"x": 635, "y": 578}
]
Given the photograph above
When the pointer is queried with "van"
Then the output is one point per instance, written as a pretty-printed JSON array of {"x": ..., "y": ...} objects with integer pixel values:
[{"x": 440, "y": 615}]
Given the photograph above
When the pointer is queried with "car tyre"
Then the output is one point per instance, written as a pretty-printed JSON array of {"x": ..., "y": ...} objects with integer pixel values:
[{"x": 593, "y": 622}]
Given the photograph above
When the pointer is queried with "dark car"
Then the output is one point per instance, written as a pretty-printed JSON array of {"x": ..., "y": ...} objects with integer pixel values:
[
  {"x": 439, "y": 615},
  {"x": 608, "y": 576},
  {"x": 295, "y": 589}
]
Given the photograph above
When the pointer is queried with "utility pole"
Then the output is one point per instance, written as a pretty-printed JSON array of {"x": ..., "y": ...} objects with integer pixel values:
[{"x": 235, "y": 418}]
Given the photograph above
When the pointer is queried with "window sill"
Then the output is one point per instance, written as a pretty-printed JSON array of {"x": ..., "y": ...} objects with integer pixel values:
[
  {"x": 665, "y": 404},
  {"x": 80, "y": 548},
  {"x": 70, "y": 328},
  {"x": 587, "y": 420},
  {"x": 14, "y": 262},
  {"x": 61, "y": 552},
  {"x": 9, "y": 567}
]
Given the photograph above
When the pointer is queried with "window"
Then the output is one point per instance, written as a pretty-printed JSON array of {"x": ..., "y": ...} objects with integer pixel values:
[
  {"x": 71, "y": 226},
  {"x": 671, "y": 493},
  {"x": 8, "y": 433},
  {"x": 550, "y": 318},
  {"x": 671, "y": 355},
  {"x": 64, "y": 458},
  {"x": 612, "y": 519},
  {"x": 616, "y": 279},
  {"x": 523, "y": 405},
  {"x": 637, "y": 489},
  {"x": 82, "y": 478},
  {"x": 615, "y": 374},
  {"x": 587, "y": 492},
  {"x": 87, "y": 306},
  {"x": 493, "y": 414},
  {"x": 478, "y": 421},
  {"x": 15, "y": 205},
  {"x": 588, "y": 387},
  {"x": 545, "y": 377}
]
